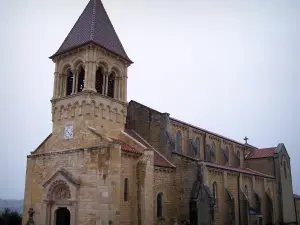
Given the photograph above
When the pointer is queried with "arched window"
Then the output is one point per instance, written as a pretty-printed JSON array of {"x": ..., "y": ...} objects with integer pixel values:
[
  {"x": 227, "y": 152},
  {"x": 213, "y": 152},
  {"x": 159, "y": 201},
  {"x": 99, "y": 81},
  {"x": 80, "y": 81},
  {"x": 246, "y": 191},
  {"x": 126, "y": 189},
  {"x": 197, "y": 152},
  {"x": 69, "y": 83},
  {"x": 238, "y": 154},
  {"x": 214, "y": 192},
  {"x": 178, "y": 142},
  {"x": 284, "y": 167},
  {"x": 111, "y": 85}
]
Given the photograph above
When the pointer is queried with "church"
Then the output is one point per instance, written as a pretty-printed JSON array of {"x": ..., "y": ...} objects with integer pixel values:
[{"x": 108, "y": 161}]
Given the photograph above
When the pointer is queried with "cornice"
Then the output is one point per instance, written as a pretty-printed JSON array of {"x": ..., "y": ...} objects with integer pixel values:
[
  {"x": 67, "y": 151},
  {"x": 87, "y": 93},
  {"x": 198, "y": 132},
  {"x": 178, "y": 125},
  {"x": 213, "y": 137}
]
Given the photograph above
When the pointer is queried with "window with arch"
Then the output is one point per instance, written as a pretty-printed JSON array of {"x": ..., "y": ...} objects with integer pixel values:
[
  {"x": 214, "y": 192},
  {"x": 178, "y": 144},
  {"x": 213, "y": 152},
  {"x": 126, "y": 189},
  {"x": 238, "y": 154},
  {"x": 197, "y": 150},
  {"x": 159, "y": 202},
  {"x": 99, "y": 82},
  {"x": 69, "y": 83},
  {"x": 111, "y": 85},
  {"x": 285, "y": 170},
  {"x": 80, "y": 80},
  {"x": 246, "y": 191},
  {"x": 227, "y": 153}
]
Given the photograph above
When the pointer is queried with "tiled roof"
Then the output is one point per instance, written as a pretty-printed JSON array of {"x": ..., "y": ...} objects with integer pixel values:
[
  {"x": 126, "y": 147},
  {"x": 261, "y": 153},
  {"x": 238, "y": 170},
  {"x": 296, "y": 196},
  {"x": 93, "y": 26},
  {"x": 159, "y": 160}
]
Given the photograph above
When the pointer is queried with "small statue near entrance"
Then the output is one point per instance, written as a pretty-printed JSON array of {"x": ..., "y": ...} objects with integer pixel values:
[{"x": 30, "y": 217}]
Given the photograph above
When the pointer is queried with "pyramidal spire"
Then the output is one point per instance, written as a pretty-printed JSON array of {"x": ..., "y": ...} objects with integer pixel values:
[{"x": 93, "y": 26}]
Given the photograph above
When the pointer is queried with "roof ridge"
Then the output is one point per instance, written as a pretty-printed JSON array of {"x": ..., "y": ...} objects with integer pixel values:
[{"x": 93, "y": 20}]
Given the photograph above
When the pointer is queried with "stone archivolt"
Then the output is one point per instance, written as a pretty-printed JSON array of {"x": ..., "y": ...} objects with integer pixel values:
[{"x": 59, "y": 190}]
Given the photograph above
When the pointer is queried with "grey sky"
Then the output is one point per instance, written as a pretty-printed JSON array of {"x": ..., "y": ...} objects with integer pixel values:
[{"x": 228, "y": 66}]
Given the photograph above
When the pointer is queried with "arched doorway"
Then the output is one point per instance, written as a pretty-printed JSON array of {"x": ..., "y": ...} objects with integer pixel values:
[{"x": 62, "y": 216}]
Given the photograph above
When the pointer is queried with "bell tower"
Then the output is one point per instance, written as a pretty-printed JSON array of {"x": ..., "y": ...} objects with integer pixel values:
[{"x": 90, "y": 78}]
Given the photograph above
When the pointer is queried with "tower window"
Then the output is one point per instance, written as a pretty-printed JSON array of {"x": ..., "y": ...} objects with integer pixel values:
[
  {"x": 80, "y": 84},
  {"x": 69, "y": 83},
  {"x": 99, "y": 81},
  {"x": 126, "y": 190},
  {"x": 213, "y": 152},
  {"x": 178, "y": 142},
  {"x": 111, "y": 85},
  {"x": 159, "y": 200}
]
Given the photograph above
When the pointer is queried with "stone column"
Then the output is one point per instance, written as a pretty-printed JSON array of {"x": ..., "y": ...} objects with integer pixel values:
[
  {"x": 75, "y": 80},
  {"x": 103, "y": 83},
  {"x": 106, "y": 83},
  {"x": 59, "y": 85},
  {"x": 55, "y": 88},
  {"x": 93, "y": 76},
  {"x": 63, "y": 85},
  {"x": 125, "y": 87},
  {"x": 145, "y": 172},
  {"x": 116, "y": 88},
  {"x": 120, "y": 88},
  {"x": 86, "y": 75}
]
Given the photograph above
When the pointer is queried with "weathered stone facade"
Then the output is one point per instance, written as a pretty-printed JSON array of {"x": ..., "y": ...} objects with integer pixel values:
[{"x": 108, "y": 161}]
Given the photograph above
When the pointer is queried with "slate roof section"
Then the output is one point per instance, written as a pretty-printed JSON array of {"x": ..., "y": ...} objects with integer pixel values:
[
  {"x": 261, "y": 153},
  {"x": 93, "y": 26},
  {"x": 238, "y": 170},
  {"x": 159, "y": 160}
]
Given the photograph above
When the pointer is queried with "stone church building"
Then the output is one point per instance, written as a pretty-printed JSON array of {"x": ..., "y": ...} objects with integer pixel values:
[{"x": 109, "y": 161}]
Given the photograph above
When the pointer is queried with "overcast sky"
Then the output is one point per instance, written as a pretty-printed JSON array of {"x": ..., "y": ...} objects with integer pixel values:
[{"x": 229, "y": 66}]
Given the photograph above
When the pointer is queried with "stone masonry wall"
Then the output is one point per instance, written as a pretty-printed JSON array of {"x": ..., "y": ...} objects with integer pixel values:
[
  {"x": 164, "y": 183},
  {"x": 99, "y": 191},
  {"x": 184, "y": 178},
  {"x": 255, "y": 164},
  {"x": 128, "y": 208}
]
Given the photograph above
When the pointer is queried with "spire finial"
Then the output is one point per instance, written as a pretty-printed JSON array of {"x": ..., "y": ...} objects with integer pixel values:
[{"x": 246, "y": 139}]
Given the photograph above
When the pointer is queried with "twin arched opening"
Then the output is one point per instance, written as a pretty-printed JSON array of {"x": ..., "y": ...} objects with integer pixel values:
[
  {"x": 73, "y": 81},
  {"x": 105, "y": 83}
]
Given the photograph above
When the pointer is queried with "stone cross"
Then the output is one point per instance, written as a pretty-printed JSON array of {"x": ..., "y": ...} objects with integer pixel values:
[
  {"x": 30, "y": 217},
  {"x": 246, "y": 139}
]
